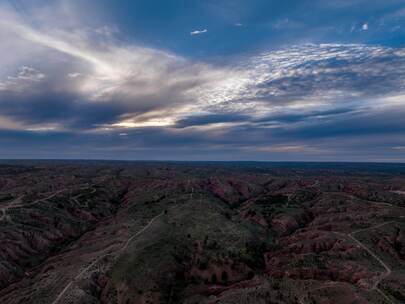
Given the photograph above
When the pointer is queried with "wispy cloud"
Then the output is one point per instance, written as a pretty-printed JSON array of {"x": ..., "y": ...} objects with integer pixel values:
[
  {"x": 25, "y": 77},
  {"x": 85, "y": 74},
  {"x": 198, "y": 32},
  {"x": 74, "y": 75},
  {"x": 285, "y": 23}
]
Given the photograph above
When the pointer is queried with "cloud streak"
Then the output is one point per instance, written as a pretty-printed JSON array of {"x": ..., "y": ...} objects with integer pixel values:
[{"x": 198, "y": 32}]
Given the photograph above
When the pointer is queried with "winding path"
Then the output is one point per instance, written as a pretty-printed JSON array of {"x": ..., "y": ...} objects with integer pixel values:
[
  {"x": 18, "y": 199},
  {"x": 10, "y": 205},
  {"x": 16, "y": 203},
  {"x": 61, "y": 294},
  {"x": 388, "y": 270}
]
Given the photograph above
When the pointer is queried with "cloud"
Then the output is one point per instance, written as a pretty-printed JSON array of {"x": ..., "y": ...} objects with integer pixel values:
[
  {"x": 209, "y": 119},
  {"x": 121, "y": 82},
  {"x": 29, "y": 73},
  {"x": 290, "y": 117},
  {"x": 306, "y": 78},
  {"x": 74, "y": 75},
  {"x": 67, "y": 85},
  {"x": 25, "y": 77},
  {"x": 352, "y": 28},
  {"x": 285, "y": 23},
  {"x": 198, "y": 32},
  {"x": 288, "y": 149}
]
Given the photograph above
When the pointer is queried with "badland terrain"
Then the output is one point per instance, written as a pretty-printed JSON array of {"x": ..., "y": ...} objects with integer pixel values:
[{"x": 173, "y": 232}]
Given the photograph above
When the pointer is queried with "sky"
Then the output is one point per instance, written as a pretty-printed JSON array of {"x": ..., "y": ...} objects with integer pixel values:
[{"x": 221, "y": 80}]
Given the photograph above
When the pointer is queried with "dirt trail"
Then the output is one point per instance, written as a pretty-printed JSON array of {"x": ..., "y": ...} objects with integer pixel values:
[
  {"x": 12, "y": 203},
  {"x": 16, "y": 203},
  {"x": 61, "y": 294},
  {"x": 388, "y": 270}
]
